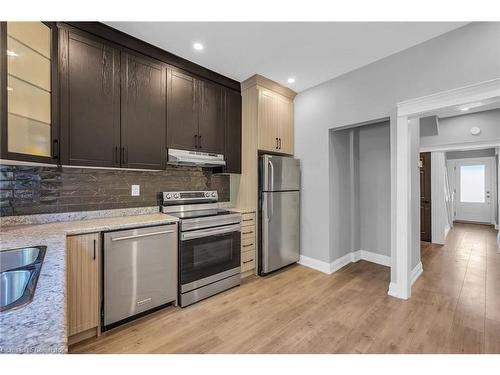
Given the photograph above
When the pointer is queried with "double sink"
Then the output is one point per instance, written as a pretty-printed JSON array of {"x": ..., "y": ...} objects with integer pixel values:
[{"x": 19, "y": 271}]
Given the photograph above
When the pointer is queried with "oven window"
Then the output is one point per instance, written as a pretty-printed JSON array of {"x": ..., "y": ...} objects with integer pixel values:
[{"x": 207, "y": 256}]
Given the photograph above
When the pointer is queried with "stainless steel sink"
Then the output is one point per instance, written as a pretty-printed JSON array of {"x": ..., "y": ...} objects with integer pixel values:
[
  {"x": 13, "y": 284},
  {"x": 16, "y": 258},
  {"x": 19, "y": 271}
]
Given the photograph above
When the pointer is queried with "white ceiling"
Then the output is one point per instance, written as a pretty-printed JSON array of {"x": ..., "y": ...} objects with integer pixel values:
[{"x": 311, "y": 52}]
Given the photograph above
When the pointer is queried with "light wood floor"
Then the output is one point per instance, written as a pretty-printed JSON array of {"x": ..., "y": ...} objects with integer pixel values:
[{"x": 455, "y": 308}]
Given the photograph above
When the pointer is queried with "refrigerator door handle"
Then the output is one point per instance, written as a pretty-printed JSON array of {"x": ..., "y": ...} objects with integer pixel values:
[
  {"x": 271, "y": 175},
  {"x": 269, "y": 206}
]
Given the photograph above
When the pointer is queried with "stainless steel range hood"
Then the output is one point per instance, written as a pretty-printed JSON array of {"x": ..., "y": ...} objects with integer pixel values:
[{"x": 194, "y": 158}]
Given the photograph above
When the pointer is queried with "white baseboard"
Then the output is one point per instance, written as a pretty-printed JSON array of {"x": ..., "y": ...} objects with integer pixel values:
[
  {"x": 369, "y": 256},
  {"x": 315, "y": 264},
  {"x": 351, "y": 257},
  {"x": 416, "y": 272}
]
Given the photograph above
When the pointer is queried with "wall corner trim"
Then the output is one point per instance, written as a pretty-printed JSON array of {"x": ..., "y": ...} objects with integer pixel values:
[
  {"x": 393, "y": 290},
  {"x": 446, "y": 231},
  {"x": 416, "y": 272}
]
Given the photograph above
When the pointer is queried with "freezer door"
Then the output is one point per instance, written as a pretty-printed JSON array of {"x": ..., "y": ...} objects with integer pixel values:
[
  {"x": 279, "y": 173},
  {"x": 280, "y": 230},
  {"x": 140, "y": 270}
]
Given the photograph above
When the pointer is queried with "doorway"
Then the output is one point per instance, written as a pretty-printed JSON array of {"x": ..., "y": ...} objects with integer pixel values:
[
  {"x": 482, "y": 96},
  {"x": 473, "y": 183},
  {"x": 425, "y": 197}
]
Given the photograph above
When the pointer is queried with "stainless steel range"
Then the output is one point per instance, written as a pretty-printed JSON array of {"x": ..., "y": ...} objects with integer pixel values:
[{"x": 209, "y": 244}]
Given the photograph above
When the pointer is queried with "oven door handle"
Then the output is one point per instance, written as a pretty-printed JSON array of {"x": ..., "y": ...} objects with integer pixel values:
[{"x": 210, "y": 232}]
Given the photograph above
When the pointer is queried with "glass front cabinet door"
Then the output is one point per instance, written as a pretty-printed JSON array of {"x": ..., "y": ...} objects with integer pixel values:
[{"x": 28, "y": 77}]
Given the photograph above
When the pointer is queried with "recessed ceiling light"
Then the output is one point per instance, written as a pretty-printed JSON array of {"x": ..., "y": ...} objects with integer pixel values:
[
  {"x": 11, "y": 53},
  {"x": 291, "y": 80},
  {"x": 9, "y": 88},
  {"x": 464, "y": 109},
  {"x": 198, "y": 46}
]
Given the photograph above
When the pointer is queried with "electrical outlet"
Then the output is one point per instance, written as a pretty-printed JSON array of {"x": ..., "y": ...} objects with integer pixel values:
[{"x": 136, "y": 190}]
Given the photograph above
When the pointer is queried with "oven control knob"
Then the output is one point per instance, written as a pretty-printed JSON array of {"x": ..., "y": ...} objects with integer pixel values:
[
  {"x": 207, "y": 194},
  {"x": 168, "y": 196},
  {"x": 213, "y": 194},
  {"x": 176, "y": 195}
]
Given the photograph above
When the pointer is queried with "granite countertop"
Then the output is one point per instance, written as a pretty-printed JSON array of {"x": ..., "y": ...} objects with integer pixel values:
[{"x": 40, "y": 326}]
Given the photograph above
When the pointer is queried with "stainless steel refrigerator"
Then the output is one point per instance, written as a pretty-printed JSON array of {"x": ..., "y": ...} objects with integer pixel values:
[{"x": 279, "y": 212}]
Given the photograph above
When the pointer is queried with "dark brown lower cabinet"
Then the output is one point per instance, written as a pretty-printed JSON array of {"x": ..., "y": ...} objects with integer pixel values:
[
  {"x": 232, "y": 110},
  {"x": 90, "y": 100},
  {"x": 143, "y": 108}
]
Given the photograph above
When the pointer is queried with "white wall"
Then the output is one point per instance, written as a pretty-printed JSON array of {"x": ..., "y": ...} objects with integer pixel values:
[
  {"x": 455, "y": 130},
  {"x": 374, "y": 184},
  {"x": 464, "y": 56}
]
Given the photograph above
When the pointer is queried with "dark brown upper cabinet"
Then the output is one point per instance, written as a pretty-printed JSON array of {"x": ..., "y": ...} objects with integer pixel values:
[
  {"x": 143, "y": 107},
  {"x": 28, "y": 69},
  {"x": 102, "y": 98},
  {"x": 90, "y": 100},
  {"x": 195, "y": 113},
  {"x": 232, "y": 111},
  {"x": 211, "y": 118},
  {"x": 182, "y": 113}
]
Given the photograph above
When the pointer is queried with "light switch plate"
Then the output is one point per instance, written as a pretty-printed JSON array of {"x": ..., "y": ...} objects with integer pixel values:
[{"x": 136, "y": 190}]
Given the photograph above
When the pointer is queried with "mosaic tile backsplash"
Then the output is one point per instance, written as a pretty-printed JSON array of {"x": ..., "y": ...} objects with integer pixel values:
[{"x": 28, "y": 190}]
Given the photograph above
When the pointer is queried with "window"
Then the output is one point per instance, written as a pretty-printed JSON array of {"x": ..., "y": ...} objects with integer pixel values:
[{"x": 472, "y": 183}]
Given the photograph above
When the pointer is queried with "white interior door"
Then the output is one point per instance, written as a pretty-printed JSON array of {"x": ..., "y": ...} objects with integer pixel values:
[{"x": 474, "y": 190}]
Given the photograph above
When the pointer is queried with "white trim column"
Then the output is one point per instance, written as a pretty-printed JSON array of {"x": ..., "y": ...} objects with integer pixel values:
[{"x": 401, "y": 287}]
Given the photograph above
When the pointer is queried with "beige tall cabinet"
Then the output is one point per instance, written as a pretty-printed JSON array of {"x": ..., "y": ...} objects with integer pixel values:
[
  {"x": 267, "y": 127},
  {"x": 274, "y": 121}
]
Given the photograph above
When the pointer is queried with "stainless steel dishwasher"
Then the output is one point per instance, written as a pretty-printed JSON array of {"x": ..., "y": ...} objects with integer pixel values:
[{"x": 140, "y": 272}]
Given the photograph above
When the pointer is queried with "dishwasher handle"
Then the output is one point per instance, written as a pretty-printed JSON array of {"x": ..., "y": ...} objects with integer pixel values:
[{"x": 142, "y": 235}]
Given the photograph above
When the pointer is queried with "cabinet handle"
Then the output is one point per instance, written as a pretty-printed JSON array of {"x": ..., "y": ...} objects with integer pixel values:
[
  {"x": 247, "y": 261},
  {"x": 280, "y": 143},
  {"x": 199, "y": 141},
  {"x": 117, "y": 160},
  {"x": 195, "y": 141},
  {"x": 247, "y": 219},
  {"x": 124, "y": 155},
  {"x": 276, "y": 143},
  {"x": 247, "y": 245},
  {"x": 247, "y": 232},
  {"x": 94, "y": 248},
  {"x": 55, "y": 149}
]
